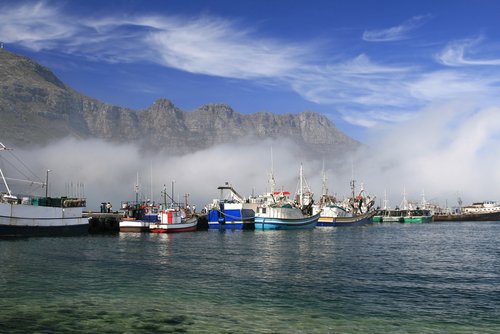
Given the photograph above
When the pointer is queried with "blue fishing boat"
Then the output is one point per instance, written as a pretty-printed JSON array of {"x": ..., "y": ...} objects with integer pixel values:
[{"x": 230, "y": 211}]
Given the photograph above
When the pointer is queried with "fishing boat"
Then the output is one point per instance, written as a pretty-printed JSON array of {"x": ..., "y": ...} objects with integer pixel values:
[
  {"x": 174, "y": 220},
  {"x": 417, "y": 216},
  {"x": 286, "y": 214},
  {"x": 138, "y": 216},
  {"x": 230, "y": 210},
  {"x": 388, "y": 216},
  {"x": 29, "y": 215},
  {"x": 478, "y": 211},
  {"x": 414, "y": 212},
  {"x": 352, "y": 211}
]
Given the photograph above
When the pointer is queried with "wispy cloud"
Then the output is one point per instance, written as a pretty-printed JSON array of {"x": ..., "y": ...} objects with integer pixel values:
[
  {"x": 206, "y": 45},
  {"x": 396, "y": 33},
  {"x": 455, "y": 54}
]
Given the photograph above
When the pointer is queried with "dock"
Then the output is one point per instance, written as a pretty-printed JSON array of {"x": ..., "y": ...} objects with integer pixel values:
[{"x": 100, "y": 222}]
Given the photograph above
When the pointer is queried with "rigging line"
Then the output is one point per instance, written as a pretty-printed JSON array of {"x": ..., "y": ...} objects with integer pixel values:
[
  {"x": 25, "y": 166},
  {"x": 16, "y": 167}
]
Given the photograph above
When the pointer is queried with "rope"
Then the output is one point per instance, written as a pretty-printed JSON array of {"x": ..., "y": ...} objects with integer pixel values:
[{"x": 233, "y": 217}]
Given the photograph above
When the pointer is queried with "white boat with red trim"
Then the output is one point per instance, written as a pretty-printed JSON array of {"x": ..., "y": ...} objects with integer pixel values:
[{"x": 174, "y": 220}]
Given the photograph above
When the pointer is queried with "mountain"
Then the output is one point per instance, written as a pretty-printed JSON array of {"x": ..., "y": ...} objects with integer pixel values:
[{"x": 38, "y": 108}]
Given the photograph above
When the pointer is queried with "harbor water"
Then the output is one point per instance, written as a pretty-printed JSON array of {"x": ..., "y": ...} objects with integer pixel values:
[{"x": 381, "y": 278}]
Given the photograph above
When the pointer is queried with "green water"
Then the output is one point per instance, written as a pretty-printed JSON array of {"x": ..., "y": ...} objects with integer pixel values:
[{"x": 384, "y": 278}]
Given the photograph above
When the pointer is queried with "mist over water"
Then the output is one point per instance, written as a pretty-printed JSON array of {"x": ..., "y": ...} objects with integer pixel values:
[{"x": 447, "y": 151}]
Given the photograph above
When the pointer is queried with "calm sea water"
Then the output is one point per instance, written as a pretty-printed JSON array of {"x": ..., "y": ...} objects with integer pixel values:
[{"x": 387, "y": 278}]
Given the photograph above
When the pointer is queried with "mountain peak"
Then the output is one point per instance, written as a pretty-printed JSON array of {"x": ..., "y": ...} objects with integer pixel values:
[{"x": 32, "y": 92}]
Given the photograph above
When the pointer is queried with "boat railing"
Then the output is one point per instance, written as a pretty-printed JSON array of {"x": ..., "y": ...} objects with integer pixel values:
[{"x": 56, "y": 202}]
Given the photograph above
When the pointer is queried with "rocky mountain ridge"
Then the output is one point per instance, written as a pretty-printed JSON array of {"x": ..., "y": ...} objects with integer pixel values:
[{"x": 36, "y": 108}]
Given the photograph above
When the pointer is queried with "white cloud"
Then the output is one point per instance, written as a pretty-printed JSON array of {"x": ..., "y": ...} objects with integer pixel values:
[
  {"x": 375, "y": 117},
  {"x": 441, "y": 85},
  {"x": 206, "y": 45},
  {"x": 398, "y": 32},
  {"x": 454, "y": 54},
  {"x": 447, "y": 150}
]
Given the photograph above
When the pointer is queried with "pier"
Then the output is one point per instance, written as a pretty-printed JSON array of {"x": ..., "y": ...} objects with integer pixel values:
[{"x": 100, "y": 222}]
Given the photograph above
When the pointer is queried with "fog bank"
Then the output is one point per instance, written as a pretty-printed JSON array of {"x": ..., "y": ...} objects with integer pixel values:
[{"x": 447, "y": 151}]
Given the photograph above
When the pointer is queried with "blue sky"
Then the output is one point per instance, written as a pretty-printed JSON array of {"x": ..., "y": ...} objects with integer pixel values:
[
  {"x": 364, "y": 64},
  {"x": 417, "y": 81}
]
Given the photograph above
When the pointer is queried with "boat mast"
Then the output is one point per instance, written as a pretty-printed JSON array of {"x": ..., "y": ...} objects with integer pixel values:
[
  {"x": 164, "y": 195},
  {"x": 404, "y": 203},
  {"x": 353, "y": 182},
  {"x": 3, "y": 148},
  {"x": 272, "y": 182},
  {"x": 151, "y": 181},
  {"x": 137, "y": 189},
  {"x": 301, "y": 186},
  {"x": 324, "y": 189},
  {"x": 424, "y": 202}
]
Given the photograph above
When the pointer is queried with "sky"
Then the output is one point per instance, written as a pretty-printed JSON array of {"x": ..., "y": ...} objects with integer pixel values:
[{"x": 416, "y": 81}]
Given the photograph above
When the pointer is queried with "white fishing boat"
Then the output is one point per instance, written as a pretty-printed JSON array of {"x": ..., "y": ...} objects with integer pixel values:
[
  {"x": 284, "y": 213},
  {"x": 30, "y": 215},
  {"x": 174, "y": 220},
  {"x": 353, "y": 211},
  {"x": 138, "y": 216}
]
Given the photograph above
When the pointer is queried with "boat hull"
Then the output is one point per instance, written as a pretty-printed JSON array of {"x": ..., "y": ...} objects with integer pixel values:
[
  {"x": 29, "y": 220},
  {"x": 269, "y": 223},
  {"x": 418, "y": 220},
  {"x": 233, "y": 219},
  {"x": 134, "y": 226},
  {"x": 187, "y": 226},
  {"x": 345, "y": 221},
  {"x": 43, "y": 231},
  {"x": 490, "y": 216}
]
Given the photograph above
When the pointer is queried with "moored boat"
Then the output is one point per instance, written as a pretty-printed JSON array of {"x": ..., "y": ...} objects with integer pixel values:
[
  {"x": 174, "y": 220},
  {"x": 284, "y": 214},
  {"x": 479, "y": 211},
  {"x": 283, "y": 218},
  {"x": 357, "y": 220},
  {"x": 138, "y": 216},
  {"x": 410, "y": 212},
  {"x": 230, "y": 211},
  {"x": 417, "y": 216},
  {"x": 388, "y": 216},
  {"x": 353, "y": 211},
  {"x": 27, "y": 215}
]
